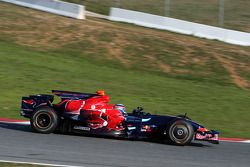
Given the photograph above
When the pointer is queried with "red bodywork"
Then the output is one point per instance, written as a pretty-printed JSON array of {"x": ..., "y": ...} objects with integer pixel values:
[{"x": 96, "y": 111}]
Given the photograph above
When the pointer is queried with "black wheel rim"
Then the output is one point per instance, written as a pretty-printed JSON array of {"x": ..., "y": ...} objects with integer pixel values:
[
  {"x": 43, "y": 120},
  {"x": 180, "y": 133}
]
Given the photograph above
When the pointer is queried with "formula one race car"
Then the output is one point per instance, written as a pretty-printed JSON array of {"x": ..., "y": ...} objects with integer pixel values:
[{"x": 87, "y": 113}]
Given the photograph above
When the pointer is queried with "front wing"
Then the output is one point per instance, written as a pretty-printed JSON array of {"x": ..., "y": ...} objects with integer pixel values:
[{"x": 210, "y": 136}]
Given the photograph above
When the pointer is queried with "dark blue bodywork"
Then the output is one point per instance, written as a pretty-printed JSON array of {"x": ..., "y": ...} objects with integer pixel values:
[
  {"x": 137, "y": 124},
  {"x": 153, "y": 125}
]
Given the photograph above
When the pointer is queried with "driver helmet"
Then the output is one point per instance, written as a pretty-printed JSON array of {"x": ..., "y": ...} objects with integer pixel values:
[
  {"x": 100, "y": 92},
  {"x": 121, "y": 108}
]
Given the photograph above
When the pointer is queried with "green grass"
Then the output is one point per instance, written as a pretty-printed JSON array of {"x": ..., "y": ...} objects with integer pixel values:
[
  {"x": 44, "y": 52},
  {"x": 201, "y": 11},
  {"x": 26, "y": 71}
]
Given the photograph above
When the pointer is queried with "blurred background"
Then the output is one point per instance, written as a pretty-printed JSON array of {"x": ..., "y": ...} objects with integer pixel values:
[{"x": 229, "y": 14}]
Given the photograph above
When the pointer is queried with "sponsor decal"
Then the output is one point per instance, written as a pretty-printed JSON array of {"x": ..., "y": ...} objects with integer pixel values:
[
  {"x": 93, "y": 107},
  {"x": 145, "y": 120},
  {"x": 147, "y": 128},
  {"x": 206, "y": 136},
  {"x": 28, "y": 101},
  {"x": 81, "y": 128},
  {"x": 131, "y": 128},
  {"x": 105, "y": 123}
]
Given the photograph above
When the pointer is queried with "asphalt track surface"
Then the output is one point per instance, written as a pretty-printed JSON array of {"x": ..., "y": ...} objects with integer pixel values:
[{"x": 19, "y": 143}]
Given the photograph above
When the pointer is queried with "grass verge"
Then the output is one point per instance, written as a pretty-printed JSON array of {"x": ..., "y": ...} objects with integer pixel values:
[{"x": 25, "y": 71}]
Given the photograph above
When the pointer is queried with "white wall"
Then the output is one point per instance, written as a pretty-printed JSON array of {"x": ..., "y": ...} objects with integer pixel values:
[
  {"x": 53, "y": 6},
  {"x": 180, "y": 26}
]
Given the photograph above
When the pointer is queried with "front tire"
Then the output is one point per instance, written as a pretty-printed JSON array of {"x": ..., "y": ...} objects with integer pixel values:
[
  {"x": 44, "y": 120},
  {"x": 180, "y": 132}
]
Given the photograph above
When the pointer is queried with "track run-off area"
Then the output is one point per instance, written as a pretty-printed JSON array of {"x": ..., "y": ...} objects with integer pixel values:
[{"x": 20, "y": 144}]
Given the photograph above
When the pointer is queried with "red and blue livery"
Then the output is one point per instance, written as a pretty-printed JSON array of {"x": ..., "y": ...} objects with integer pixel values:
[{"x": 91, "y": 113}]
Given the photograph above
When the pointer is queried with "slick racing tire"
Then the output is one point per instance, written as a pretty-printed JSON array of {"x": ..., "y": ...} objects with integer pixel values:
[
  {"x": 44, "y": 120},
  {"x": 180, "y": 132}
]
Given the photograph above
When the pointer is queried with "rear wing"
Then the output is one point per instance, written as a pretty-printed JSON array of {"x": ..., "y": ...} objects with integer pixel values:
[
  {"x": 30, "y": 103},
  {"x": 72, "y": 95}
]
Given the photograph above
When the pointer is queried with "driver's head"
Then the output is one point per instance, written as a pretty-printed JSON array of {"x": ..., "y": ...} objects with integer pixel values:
[
  {"x": 100, "y": 92},
  {"x": 121, "y": 108}
]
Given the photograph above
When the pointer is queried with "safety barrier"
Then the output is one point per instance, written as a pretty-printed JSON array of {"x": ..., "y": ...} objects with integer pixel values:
[
  {"x": 180, "y": 26},
  {"x": 53, "y": 6}
]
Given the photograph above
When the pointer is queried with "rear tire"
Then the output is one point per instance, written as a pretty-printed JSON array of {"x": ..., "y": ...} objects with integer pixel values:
[
  {"x": 180, "y": 132},
  {"x": 44, "y": 120}
]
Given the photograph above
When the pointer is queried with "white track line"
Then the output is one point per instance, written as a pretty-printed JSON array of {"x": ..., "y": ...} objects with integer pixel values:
[
  {"x": 231, "y": 141},
  {"x": 22, "y": 123},
  {"x": 246, "y": 141},
  {"x": 34, "y": 163}
]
